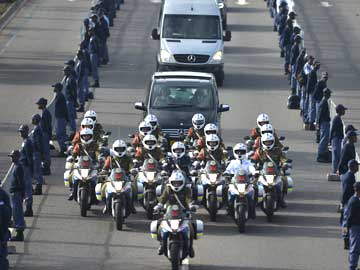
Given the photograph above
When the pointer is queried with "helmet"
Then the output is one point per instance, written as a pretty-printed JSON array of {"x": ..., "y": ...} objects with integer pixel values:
[
  {"x": 87, "y": 123},
  {"x": 262, "y": 119},
  {"x": 145, "y": 128},
  {"x": 149, "y": 142},
  {"x": 178, "y": 149},
  {"x": 198, "y": 121},
  {"x": 267, "y": 128},
  {"x": 86, "y": 135},
  {"x": 119, "y": 148},
  {"x": 91, "y": 114},
  {"x": 239, "y": 151},
  {"x": 177, "y": 181},
  {"x": 267, "y": 141},
  {"x": 210, "y": 129},
  {"x": 152, "y": 120},
  {"x": 212, "y": 142}
]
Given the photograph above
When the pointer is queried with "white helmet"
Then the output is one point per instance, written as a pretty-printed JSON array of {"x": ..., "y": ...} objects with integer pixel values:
[
  {"x": 267, "y": 141},
  {"x": 145, "y": 128},
  {"x": 177, "y": 180},
  {"x": 86, "y": 135},
  {"x": 178, "y": 149},
  {"x": 91, "y": 114},
  {"x": 212, "y": 142},
  {"x": 198, "y": 121},
  {"x": 267, "y": 128},
  {"x": 262, "y": 119},
  {"x": 149, "y": 142},
  {"x": 87, "y": 123},
  {"x": 119, "y": 148},
  {"x": 211, "y": 129},
  {"x": 152, "y": 120},
  {"x": 239, "y": 151}
]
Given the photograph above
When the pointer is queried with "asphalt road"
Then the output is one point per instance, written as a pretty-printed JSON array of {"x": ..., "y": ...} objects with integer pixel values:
[{"x": 304, "y": 236}]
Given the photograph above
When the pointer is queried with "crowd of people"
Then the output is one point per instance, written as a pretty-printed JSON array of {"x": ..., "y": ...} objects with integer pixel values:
[
  {"x": 311, "y": 95},
  {"x": 33, "y": 160}
]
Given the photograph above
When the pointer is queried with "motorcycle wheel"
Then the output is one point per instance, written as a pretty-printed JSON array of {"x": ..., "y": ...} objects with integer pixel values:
[
  {"x": 270, "y": 201},
  {"x": 119, "y": 219},
  {"x": 241, "y": 221},
  {"x": 174, "y": 255},
  {"x": 84, "y": 202},
  {"x": 212, "y": 207},
  {"x": 150, "y": 207}
]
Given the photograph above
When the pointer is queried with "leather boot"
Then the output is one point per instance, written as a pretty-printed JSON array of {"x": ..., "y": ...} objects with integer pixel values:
[
  {"x": 96, "y": 84},
  {"x": 38, "y": 190},
  {"x": 19, "y": 237},
  {"x": 28, "y": 211}
]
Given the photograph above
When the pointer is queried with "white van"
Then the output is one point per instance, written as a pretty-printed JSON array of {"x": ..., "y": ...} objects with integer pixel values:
[{"x": 191, "y": 37}]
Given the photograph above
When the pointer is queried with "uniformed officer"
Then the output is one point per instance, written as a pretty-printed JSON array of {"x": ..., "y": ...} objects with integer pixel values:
[
  {"x": 348, "y": 152},
  {"x": 310, "y": 88},
  {"x": 336, "y": 136},
  {"x": 352, "y": 226},
  {"x": 347, "y": 182},
  {"x": 62, "y": 116},
  {"x": 27, "y": 163},
  {"x": 319, "y": 90},
  {"x": 347, "y": 129},
  {"x": 38, "y": 147},
  {"x": 17, "y": 189},
  {"x": 5, "y": 218},
  {"x": 81, "y": 72},
  {"x": 94, "y": 50},
  {"x": 70, "y": 87},
  {"x": 46, "y": 126},
  {"x": 323, "y": 122},
  {"x": 295, "y": 52}
]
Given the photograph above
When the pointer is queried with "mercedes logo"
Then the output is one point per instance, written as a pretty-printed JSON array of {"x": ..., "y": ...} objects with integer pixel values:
[{"x": 191, "y": 58}]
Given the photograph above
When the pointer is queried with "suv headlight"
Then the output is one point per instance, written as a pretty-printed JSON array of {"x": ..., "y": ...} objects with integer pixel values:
[
  {"x": 165, "y": 56},
  {"x": 218, "y": 56},
  {"x": 221, "y": 5}
]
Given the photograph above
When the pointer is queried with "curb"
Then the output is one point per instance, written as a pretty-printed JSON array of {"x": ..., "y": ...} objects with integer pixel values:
[{"x": 10, "y": 13}]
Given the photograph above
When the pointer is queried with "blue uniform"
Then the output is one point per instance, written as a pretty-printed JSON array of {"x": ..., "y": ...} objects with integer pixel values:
[
  {"x": 70, "y": 88},
  {"x": 17, "y": 189},
  {"x": 27, "y": 162},
  {"x": 324, "y": 122},
  {"x": 352, "y": 221},
  {"x": 310, "y": 89},
  {"x": 81, "y": 72},
  {"x": 336, "y": 136},
  {"x": 94, "y": 56},
  {"x": 61, "y": 115},
  {"x": 5, "y": 217},
  {"x": 37, "y": 141},
  {"x": 46, "y": 126},
  {"x": 347, "y": 153}
]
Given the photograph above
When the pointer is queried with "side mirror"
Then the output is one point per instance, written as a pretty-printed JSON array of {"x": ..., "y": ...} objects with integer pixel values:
[
  {"x": 246, "y": 138},
  {"x": 223, "y": 108},
  {"x": 140, "y": 106},
  {"x": 281, "y": 138},
  {"x": 286, "y": 148},
  {"x": 154, "y": 34},
  {"x": 227, "y": 36}
]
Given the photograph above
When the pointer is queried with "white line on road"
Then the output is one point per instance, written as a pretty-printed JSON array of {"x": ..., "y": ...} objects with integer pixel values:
[
  {"x": 156, "y": 1},
  {"x": 326, "y": 4},
  {"x": 8, "y": 43},
  {"x": 242, "y": 2}
]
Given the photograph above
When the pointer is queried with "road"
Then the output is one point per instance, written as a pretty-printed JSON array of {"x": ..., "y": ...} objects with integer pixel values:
[{"x": 304, "y": 236}]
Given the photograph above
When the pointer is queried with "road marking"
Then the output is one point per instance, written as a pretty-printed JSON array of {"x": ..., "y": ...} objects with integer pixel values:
[
  {"x": 242, "y": 2},
  {"x": 326, "y": 4},
  {"x": 156, "y": 1},
  {"x": 8, "y": 43},
  {"x": 185, "y": 264}
]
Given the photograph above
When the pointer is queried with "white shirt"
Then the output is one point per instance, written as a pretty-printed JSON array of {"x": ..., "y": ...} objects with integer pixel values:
[{"x": 238, "y": 164}]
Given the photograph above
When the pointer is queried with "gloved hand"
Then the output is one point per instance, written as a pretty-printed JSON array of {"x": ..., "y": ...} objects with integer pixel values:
[{"x": 158, "y": 208}]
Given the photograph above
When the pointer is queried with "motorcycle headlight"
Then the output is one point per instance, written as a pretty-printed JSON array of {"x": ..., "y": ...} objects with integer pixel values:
[
  {"x": 218, "y": 56},
  {"x": 165, "y": 56}
]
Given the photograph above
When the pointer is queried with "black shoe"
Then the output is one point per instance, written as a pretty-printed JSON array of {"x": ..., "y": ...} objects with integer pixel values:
[
  {"x": 90, "y": 95},
  {"x": 28, "y": 212},
  {"x": 71, "y": 197},
  {"x": 323, "y": 160},
  {"x": 19, "y": 237},
  {"x": 191, "y": 252},
  {"x": 161, "y": 250},
  {"x": 38, "y": 190},
  {"x": 95, "y": 84},
  {"x": 81, "y": 109},
  {"x": 282, "y": 54},
  {"x": 312, "y": 127},
  {"x": 346, "y": 244}
]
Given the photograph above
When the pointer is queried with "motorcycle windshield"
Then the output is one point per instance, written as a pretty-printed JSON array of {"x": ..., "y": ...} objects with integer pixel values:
[
  {"x": 84, "y": 173},
  {"x": 213, "y": 177},
  {"x": 241, "y": 188},
  {"x": 150, "y": 176}
]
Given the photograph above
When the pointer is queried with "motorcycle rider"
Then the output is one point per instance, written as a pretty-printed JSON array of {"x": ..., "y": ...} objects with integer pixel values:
[
  {"x": 208, "y": 130},
  {"x": 267, "y": 128},
  {"x": 85, "y": 123},
  {"x": 261, "y": 120},
  {"x": 241, "y": 162},
  {"x": 155, "y": 127},
  {"x": 144, "y": 128},
  {"x": 268, "y": 152},
  {"x": 177, "y": 193},
  {"x": 179, "y": 160},
  {"x": 98, "y": 128},
  {"x": 149, "y": 149},
  {"x": 197, "y": 130},
  {"x": 212, "y": 151}
]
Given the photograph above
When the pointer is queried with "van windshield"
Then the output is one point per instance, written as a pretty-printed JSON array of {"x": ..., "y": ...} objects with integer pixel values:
[
  {"x": 191, "y": 27},
  {"x": 182, "y": 96}
]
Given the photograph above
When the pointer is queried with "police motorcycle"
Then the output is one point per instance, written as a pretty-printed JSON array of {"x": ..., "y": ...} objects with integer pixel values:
[
  {"x": 150, "y": 185},
  {"x": 118, "y": 194},
  {"x": 270, "y": 179},
  {"x": 211, "y": 184},
  {"x": 84, "y": 178}
]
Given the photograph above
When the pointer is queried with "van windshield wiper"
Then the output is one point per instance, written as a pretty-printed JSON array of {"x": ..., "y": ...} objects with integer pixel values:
[{"x": 176, "y": 105}]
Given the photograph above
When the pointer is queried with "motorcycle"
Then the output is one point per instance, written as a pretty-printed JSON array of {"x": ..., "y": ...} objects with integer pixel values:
[
  {"x": 212, "y": 183},
  {"x": 149, "y": 185},
  {"x": 174, "y": 232},
  {"x": 118, "y": 196},
  {"x": 241, "y": 196},
  {"x": 84, "y": 180}
]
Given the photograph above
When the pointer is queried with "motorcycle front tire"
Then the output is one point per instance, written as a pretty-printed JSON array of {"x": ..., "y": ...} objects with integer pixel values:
[
  {"x": 175, "y": 256},
  {"x": 212, "y": 206},
  {"x": 270, "y": 201},
  {"x": 241, "y": 220},
  {"x": 84, "y": 198},
  {"x": 119, "y": 218}
]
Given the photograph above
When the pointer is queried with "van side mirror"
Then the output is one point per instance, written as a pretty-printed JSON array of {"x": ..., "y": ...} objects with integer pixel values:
[
  {"x": 140, "y": 106},
  {"x": 154, "y": 34},
  {"x": 223, "y": 108},
  {"x": 227, "y": 36}
]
